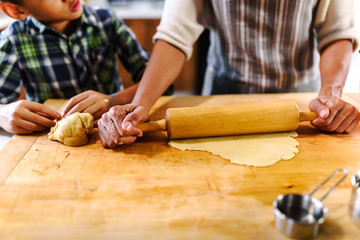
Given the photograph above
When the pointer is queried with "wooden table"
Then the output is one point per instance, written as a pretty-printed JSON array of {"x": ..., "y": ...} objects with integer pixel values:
[{"x": 149, "y": 190}]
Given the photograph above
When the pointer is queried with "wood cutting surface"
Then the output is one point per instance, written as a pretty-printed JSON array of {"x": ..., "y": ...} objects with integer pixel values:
[{"x": 149, "y": 190}]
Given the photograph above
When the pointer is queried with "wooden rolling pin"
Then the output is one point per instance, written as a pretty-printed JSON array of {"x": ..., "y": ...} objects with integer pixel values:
[{"x": 193, "y": 122}]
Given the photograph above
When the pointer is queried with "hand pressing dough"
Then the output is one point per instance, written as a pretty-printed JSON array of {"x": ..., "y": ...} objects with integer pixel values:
[
  {"x": 258, "y": 150},
  {"x": 73, "y": 129}
]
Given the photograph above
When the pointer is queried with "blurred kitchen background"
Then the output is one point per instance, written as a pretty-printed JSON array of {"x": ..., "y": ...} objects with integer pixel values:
[{"x": 143, "y": 16}]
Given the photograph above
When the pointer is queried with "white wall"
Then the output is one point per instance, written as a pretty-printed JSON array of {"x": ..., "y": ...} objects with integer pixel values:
[{"x": 353, "y": 81}]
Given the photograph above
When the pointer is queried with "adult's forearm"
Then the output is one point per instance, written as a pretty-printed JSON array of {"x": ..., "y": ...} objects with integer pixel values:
[
  {"x": 334, "y": 67},
  {"x": 165, "y": 64}
]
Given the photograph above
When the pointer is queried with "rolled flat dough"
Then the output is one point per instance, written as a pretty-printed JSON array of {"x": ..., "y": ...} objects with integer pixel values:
[{"x": 258, "y": 150}]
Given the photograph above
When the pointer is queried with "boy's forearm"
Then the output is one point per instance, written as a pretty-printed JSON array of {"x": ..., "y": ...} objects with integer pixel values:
[
  {"x": 334, "y": 66},
  {"x": 124, "y": 97},
  {"x": 165, "y": 64},
  {"x": 3, "y": 115}
]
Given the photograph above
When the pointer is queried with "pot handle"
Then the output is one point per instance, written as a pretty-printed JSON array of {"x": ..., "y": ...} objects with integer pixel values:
[{"x": 326, "y": 180}]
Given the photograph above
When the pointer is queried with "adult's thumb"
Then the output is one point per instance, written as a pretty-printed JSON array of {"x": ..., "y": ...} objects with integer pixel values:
[
  {"x": 131, "y": 120},
  {"x": 319, "y": 108}
]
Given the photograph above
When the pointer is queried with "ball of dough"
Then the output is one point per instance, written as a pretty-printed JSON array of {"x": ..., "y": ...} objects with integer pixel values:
[{"x": 73, "y": 130}]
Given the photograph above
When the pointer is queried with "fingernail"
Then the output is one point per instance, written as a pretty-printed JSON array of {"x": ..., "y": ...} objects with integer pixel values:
[
  {"x": 323, "y": 113},
  {"x": 127, "y": 126}
]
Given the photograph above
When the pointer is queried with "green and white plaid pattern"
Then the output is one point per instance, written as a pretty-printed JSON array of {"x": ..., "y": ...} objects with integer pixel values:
[{"x": 52, "y": 65}]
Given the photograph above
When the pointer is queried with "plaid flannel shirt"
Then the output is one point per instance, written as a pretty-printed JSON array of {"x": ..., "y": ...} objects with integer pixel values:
[{"x": 51, "y": 65}]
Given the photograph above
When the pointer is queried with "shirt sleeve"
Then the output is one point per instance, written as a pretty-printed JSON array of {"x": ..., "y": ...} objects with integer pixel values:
[
  {"x": 130, "y": 52},
  {"x": 335, "y": 20},
  {"x": 180, "y": 25},
  {"x": 10, "y": 75}
]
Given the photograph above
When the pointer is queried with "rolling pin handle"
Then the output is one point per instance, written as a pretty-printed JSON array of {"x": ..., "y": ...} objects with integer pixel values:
[
  {"x": 159, "y": 125},
  {"x": 308, "y": 116}
]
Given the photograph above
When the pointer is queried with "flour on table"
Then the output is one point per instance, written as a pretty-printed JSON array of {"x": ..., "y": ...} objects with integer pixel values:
[{"x": 258, "y": 150}]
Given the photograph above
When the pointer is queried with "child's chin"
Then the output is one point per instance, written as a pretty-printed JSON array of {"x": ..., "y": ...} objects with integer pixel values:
[{"x": 78, "y": 14}]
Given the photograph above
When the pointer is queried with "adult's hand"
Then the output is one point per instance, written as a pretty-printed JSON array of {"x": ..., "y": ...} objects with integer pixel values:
[
  {"x": 92, "y": 102},
  {"x": 26, "y": 117},
  {"x": 335, "y": 115},
  {"x": 118, "y": 126}
]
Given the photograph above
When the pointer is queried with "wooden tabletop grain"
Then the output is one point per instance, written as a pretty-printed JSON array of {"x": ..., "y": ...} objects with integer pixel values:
[{"x": 149, "y": 190}]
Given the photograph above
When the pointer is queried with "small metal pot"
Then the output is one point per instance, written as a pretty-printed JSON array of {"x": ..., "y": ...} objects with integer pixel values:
[
  {"x": 300, "y": 216},
  {"x": 354, "y": 208}
]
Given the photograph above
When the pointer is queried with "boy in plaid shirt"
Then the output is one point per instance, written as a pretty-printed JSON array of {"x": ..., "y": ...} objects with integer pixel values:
[{"x": 63, "y": 49}]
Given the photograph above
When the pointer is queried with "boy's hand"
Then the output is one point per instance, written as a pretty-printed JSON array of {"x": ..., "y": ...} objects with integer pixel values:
[
  {"x": 90, "y": 101},
  {"x": 25, "y": 117},
  {"x": 335, "y": 115},
  {"x": 117, "y": 126}
]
